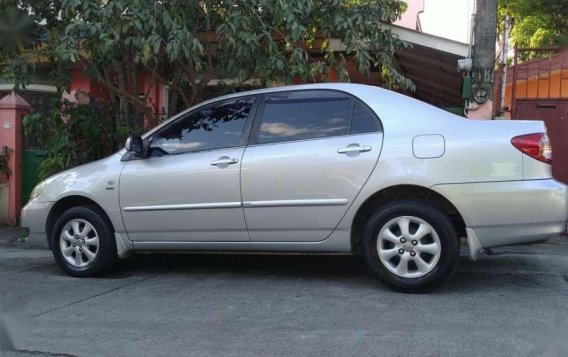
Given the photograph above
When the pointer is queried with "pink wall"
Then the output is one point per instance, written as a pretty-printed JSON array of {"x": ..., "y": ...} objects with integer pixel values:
[
  {"x": 483, "y": 111},
  {"x": 82, "y": 83},
  {"x": 156, "y": 92},
  {"x": 410, "y": 17},
  {"x": 12, "y": 109}
]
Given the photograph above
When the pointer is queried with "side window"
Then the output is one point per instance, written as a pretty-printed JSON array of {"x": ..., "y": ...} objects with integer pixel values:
[
  {"x": 304, "y": 115},
  {"x": 362, "y": 121},
  {"x": 216, "y": 126}
]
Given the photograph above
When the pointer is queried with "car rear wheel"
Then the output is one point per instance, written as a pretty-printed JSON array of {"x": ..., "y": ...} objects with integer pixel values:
[
  {"x": 411, "y": 246},
  {"x": 83, "y": 242}
]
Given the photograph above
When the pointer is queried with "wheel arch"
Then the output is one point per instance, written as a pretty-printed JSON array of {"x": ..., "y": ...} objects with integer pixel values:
[
  {"x": 402, "y": 192},
  {"x": 67, "y": 202}
]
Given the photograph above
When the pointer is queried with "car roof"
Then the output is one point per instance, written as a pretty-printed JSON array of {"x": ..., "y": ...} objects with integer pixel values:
[{"x": 351, "y": 88}]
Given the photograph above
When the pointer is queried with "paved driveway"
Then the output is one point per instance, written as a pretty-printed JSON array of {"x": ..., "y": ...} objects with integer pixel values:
[{"x": 514, "y": 302}]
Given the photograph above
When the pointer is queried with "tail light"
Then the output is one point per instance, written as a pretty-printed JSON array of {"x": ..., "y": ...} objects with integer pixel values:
[{"x": 536, "y": 146}]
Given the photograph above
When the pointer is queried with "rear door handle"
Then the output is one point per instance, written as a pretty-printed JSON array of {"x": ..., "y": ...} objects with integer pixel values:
[
  {"x": 354, "y": 148},
  {"x": 224, "y": 161}
]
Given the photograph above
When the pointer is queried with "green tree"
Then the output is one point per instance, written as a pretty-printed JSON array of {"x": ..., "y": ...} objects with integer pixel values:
[
  {"x": 536, "y": 23},
  {"x": 27, "y": 30},
  {"x": 73, "y": 134},
  {"x": 186, "y": 43}
]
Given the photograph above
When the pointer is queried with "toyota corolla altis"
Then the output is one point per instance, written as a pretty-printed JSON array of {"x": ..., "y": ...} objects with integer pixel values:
[{"x": 309, "y": 168}]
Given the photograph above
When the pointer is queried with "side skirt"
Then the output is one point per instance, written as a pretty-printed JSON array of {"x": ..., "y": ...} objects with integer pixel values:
[{"x": 304, "y": 247}]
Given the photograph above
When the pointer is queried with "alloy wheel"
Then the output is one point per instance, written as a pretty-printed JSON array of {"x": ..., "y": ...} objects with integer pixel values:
[
  {"x": 79, "y": 243},
  {"x": 408, "y": 247}
]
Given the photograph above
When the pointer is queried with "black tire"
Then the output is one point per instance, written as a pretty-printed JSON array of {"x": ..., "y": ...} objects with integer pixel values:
[
  {"x": 448, "y": 237},
  {"x": 106, "y": 255}
]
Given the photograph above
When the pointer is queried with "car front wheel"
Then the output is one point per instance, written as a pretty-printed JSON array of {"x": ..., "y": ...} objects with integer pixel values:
[
  {"x": 83, "y": 242},
  {"x": 411, "y": 246}
]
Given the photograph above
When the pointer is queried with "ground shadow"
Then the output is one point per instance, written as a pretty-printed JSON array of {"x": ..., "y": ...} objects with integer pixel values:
[{"x": 345, "y": 269}]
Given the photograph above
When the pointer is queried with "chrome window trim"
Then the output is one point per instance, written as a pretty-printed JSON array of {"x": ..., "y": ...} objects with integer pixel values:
[{"x": 315, "y": 139}]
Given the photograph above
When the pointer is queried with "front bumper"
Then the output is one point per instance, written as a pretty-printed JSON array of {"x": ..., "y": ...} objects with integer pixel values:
[
  {"x": 510, "y": 212},
  {"x": 34, "y": 217}
]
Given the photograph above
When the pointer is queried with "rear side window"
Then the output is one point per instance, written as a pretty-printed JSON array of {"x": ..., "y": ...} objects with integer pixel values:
[
  {"x": 292, "y": 116},
  {"x": 362, "y": 121}
]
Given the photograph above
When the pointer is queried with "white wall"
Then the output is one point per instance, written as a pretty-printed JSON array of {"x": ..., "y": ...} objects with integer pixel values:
[{"x": 450, "y": 19}]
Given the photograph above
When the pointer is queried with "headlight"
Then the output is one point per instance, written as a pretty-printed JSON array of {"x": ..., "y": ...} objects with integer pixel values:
[{"x": 37, "y": 190}]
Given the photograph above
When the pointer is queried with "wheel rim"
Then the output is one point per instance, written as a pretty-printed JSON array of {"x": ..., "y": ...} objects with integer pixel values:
[
  {"x": 408, "y": 247},
  {"x": 79, "y": 243}
]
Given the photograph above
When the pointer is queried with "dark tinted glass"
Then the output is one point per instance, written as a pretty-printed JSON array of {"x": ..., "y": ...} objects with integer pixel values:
[
  {"x": 362, "y": 120},
  {"x": 304, "y": 115},
  {"x": 214, "y": 127}
]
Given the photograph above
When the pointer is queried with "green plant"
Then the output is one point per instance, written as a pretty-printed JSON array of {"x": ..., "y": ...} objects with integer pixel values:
[
  {"x": 5, "y": 171},
  {"x": 536, "y": 23},
  {"x": 36, "y": 127},
  {"x": 184, "y": 44},
  {"x": 73, "y": 134}
]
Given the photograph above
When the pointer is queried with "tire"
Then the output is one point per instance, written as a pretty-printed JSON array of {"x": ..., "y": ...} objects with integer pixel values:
[
  {"x": 83, "y": 242},
  {"x": 430, "y": 238}
]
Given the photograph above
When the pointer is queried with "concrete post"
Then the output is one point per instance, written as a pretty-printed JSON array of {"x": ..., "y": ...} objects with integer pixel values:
[
  {"x": 12, "y": 109},
  {"x": 485, "y": 37}
]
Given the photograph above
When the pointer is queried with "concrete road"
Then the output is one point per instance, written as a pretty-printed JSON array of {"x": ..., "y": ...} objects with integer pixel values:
[{"x": 512, "y": 303}]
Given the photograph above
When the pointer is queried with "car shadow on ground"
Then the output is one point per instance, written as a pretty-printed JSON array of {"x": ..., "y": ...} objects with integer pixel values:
[
  {"x": 489, "y": 274},
  {"x": 287, "y": 265}
]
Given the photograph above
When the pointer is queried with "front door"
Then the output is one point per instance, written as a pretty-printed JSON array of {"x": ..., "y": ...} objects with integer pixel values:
[
  {"x": 189, "y": 187},
  {"x": 313, "y": 152}
]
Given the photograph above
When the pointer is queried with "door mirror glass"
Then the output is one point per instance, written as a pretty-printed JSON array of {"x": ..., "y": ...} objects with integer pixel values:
[{"x": 135, "y": 144}]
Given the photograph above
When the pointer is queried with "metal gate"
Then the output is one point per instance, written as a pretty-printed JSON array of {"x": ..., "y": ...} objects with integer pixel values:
[
  {"x": 31, "y": 161},
  {"x": 33, "y": 152},
  {"x": 540, "y": 91}
]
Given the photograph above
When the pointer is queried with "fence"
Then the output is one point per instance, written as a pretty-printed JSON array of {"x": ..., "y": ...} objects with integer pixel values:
[{"x": 539, "y": 90}]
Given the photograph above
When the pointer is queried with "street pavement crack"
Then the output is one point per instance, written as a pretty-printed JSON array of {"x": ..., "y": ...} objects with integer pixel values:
[
  {"x": 43, "y": 353},
  {"x": 94, "y": 296}
]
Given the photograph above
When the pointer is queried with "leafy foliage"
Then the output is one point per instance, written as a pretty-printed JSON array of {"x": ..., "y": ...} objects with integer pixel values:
[
  {"x": 23, "y": 38},
  {"x": 5, "y": 171},
  {"x": 537, "y": 23},
  {"x": 73, "y": 135},
  {"x": 186, "y": 43},
  {"x": 182, "y": 44}
]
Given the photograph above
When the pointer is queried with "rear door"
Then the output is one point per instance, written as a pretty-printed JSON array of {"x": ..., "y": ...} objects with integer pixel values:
[{"x": 310, "y": 154}]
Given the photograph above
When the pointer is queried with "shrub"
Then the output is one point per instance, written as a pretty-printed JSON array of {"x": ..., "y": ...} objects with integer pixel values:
[
  {"x": 73, "y": 134},
  {"x": 4, "y": 167}
]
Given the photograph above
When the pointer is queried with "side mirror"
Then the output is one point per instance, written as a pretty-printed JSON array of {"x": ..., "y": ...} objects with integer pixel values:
[{"x": 135, "y": 145}]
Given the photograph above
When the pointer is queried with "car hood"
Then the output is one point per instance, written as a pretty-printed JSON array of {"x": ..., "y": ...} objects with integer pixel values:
[{"x": 85, "y": 180}]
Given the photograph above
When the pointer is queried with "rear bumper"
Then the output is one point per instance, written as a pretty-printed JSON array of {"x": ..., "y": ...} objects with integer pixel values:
[
  {"x": 34, "y": 217},
  {"x": 511, "y": 212}
]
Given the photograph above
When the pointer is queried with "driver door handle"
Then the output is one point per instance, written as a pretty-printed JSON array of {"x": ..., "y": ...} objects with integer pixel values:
[
  {"x": 224, "y": 161},
  {"x": 354, "y": 148}
]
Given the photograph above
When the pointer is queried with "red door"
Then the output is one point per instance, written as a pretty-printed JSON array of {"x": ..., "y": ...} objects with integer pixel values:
[{"x": 555, "y": 114}]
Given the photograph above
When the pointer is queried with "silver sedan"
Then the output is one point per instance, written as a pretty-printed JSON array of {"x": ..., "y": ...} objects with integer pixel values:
[{"x": 310, "y": 168}]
